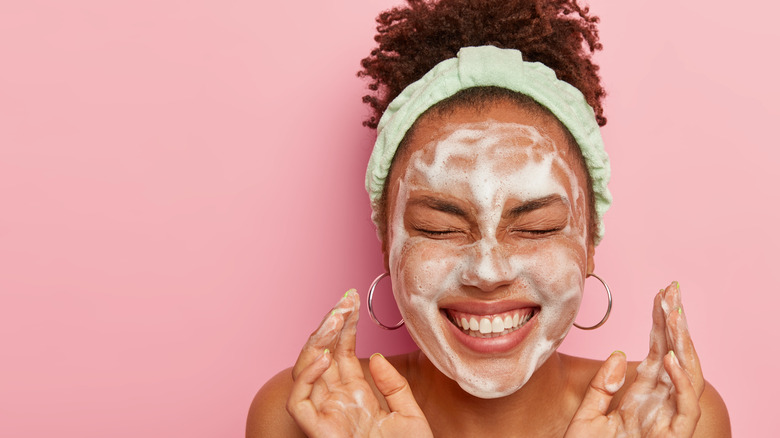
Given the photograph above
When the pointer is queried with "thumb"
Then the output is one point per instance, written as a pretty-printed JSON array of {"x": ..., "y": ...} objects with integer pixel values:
[
  {"x": 394, "y": 387},
  {"x": 607, "y": 381}
]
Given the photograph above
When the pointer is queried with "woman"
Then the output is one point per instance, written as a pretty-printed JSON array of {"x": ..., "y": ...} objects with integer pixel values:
[{"x": 488, "y": 186}]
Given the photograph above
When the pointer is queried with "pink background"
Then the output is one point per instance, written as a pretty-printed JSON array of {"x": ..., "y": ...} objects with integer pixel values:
[{"x": 182, "y": 201}]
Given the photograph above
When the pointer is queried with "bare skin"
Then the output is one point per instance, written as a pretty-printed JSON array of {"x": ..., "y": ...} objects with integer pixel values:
[
  {"x": 331, "y": 393},
  {"x": 451, "y": 412}
]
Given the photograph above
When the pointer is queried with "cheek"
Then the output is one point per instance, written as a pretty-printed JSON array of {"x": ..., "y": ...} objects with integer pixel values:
[
  {"x": 425, "y": 269},
  {"x": 555, "y": 272}
]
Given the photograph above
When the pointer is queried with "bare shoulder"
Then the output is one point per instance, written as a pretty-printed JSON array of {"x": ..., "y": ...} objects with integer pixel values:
[
  {"x": 268, "y": 415},
  {"x": 714, "y": 421}
]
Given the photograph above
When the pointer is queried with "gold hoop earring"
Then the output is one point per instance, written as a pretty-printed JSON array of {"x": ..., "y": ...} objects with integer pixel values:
[
  {"x": 609, "y": 306},
  {"x": 371, "y": 304}
]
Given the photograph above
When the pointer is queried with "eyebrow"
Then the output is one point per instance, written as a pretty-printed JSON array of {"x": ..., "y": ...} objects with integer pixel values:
[
  {"x": 440, "y": 205},
  {"x": 535, "y": 204}
]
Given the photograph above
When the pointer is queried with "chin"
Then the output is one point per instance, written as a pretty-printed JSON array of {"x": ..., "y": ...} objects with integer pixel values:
[{"x": 485, "y": 365}]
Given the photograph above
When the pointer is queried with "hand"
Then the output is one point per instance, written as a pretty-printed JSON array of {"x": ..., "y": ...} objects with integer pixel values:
[
  {"x": 331, "y": 397},
  {"x": 663, "y": 401}
]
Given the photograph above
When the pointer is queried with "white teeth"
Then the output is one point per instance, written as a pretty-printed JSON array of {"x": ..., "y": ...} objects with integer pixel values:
[
  {"x": 485, "y": 326},
  {"x": 498, "y": 325}
]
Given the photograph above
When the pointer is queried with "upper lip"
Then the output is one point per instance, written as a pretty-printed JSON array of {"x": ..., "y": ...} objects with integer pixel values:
[{"x": 477, "y": 307}]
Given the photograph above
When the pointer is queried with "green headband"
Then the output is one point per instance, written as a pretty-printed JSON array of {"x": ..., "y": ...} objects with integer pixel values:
[{"x": 489, "y": 66}]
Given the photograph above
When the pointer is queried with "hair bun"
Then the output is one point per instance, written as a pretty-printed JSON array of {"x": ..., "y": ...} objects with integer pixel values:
[{"x": 413, "y": 38}]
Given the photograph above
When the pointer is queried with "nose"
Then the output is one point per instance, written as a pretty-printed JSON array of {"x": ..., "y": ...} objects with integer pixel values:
[{"x": 488, "y": 268}]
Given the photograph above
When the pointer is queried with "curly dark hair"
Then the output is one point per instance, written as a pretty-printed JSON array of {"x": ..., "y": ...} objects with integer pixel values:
[{"x": 413, "y": 39}]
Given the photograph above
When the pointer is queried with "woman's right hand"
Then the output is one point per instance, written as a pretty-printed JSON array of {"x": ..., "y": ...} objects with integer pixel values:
[{"x": 331, "y": 397}]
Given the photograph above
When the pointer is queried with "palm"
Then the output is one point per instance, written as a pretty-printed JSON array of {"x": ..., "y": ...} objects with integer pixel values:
[
  {"x": 345, "y": 408},
  {"x": 331, "y": 397},
  {"x": 663, "y": 400}
]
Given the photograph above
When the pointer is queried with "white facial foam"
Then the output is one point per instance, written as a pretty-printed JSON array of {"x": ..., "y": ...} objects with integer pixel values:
[{"x": 487, "y": 164}]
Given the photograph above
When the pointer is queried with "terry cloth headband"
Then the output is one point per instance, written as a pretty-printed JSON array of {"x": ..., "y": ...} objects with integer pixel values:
[{"x": 489, "y": 66}]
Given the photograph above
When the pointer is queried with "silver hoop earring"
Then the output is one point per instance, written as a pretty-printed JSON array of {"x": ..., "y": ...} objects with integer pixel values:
[
  {"x": 609, "y": 306},
  {"x": 371, "y": 304}
]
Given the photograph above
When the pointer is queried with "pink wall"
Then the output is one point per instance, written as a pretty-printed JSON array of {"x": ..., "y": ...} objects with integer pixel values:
[{"x": 181, "y": 192}]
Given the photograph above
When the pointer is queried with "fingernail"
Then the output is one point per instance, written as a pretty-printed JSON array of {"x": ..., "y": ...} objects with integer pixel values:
[
  {"x": 674, "y": 358},
  {"x": 325, "y": 352},
  {"x": 679, "y": 310},
  {"x": 676, "y": 284},
  {"x": 618, "y": 351},
  {"x": 376, "y": 354},
  {"x": 348, "y": 292},
  {"x": 332, "y": 312},
  {"x": 661, "y": 291}
]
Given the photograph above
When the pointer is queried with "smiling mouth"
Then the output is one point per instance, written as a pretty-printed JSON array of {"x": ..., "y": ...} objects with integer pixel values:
[{"x": 490, "y": 326}]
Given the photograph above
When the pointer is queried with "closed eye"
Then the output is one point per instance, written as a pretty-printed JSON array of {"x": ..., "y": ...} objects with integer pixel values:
[
  {"x": 437, "y": 232},
  {"x": 538, "y": 232}
]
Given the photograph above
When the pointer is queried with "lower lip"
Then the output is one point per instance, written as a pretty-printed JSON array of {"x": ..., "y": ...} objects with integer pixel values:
[{"x": 498, "y": 344}]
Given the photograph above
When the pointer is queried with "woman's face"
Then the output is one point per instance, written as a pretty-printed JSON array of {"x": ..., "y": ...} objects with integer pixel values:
[{"x": 487, "y": 242}]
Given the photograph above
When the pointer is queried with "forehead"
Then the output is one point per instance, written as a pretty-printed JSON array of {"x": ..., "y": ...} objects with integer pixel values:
[
  {"x": 488, "y": 143},
  {"x": 491, "y": 147}
]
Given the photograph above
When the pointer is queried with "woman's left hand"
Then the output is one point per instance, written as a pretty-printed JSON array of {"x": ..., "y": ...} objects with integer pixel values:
[{"x": 663, "y": 401}]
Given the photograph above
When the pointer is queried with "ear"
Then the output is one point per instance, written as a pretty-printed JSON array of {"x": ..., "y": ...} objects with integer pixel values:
[{"x": 591, "y": 254}]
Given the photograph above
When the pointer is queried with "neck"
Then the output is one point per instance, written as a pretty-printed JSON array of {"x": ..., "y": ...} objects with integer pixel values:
[{"x": 544, "y": 403}]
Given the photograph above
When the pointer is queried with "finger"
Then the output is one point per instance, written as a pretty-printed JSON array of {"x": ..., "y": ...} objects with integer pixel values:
[
  {"x": 299, "y": 404},
  {"x": 680, "y": 339},
  {"x": 688, "y": 409},
  {"x": 344, "y": 354},
  {"x": 324, "y": 337},
  {"x": 647, "y": 373},
  {"x": 607, "y": 381},
  {"x": 658, "y": 345},
  {"x": 394, "y": 387},
  {"x": 329, "y": 379}
]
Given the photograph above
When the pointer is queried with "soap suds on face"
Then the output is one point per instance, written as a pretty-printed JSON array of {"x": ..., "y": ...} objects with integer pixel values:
[{"x": 488, "y": 164}]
